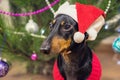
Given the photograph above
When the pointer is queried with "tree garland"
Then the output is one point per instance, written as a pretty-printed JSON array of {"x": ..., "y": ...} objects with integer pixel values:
[{"x": 30, "y": 13}]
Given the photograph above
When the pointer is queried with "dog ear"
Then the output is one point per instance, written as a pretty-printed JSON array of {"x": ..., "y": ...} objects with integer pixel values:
[{"x": 95, "y": 28}]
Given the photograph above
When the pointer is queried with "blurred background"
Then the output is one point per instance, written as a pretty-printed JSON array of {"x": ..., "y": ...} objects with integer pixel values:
[{"x": 21, "y": 38}]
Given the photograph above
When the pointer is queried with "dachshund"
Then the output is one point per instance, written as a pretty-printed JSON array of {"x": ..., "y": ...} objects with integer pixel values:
[{"x": 74, "y": 59}]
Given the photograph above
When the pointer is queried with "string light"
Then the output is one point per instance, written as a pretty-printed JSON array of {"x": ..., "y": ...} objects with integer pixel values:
[{"x": 30, "y": 13}]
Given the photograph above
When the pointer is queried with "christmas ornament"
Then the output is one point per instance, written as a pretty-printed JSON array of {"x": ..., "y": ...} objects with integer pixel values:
[
  {"x": 4, "y": 68},
  {"x": 31, "y": 27},
  {"x": 116, "y": 49},
  {"x": 116, "y": 45},
  {"x": 30, "y": 13},
  {"x": 34, "y": 56}
]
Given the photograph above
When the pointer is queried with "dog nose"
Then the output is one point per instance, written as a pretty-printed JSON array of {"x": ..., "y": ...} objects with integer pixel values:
[{"x": 45, "y": 48}]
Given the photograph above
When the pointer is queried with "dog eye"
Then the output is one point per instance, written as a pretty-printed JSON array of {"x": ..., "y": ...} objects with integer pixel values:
[{"x": 67, "y": 27}]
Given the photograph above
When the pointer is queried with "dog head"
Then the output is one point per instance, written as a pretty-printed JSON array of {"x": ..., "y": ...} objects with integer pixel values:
[
  {"x": 62, "y": 29},
  {"x": 67, "y": 27}
]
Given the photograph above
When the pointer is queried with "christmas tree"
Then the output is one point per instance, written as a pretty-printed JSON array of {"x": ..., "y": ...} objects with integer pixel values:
[{"x": 23, "y": 44}]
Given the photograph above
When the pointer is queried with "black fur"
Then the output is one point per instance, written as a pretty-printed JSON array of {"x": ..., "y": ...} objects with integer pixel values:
[
  {"x": 81, "y": 56},
  {"x": 84, "y": 64}
]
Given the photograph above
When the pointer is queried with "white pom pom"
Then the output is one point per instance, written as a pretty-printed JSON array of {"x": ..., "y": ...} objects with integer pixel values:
[
  {"x": 78, "y": 37},
  {"x": 92, "y": 34}
]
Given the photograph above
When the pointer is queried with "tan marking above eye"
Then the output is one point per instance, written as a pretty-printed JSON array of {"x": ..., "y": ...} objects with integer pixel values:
[
  {"x": 62, "y": 23},
  {"x": 54, "y": 21}
]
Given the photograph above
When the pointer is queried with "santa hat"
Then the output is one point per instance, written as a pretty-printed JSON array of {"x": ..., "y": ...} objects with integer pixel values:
[{"x": 90, "y": 19}]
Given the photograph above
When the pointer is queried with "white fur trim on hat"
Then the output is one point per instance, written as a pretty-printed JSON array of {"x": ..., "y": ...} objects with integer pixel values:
[
  {"x": 67, "y": 9},
  {"x": 95, "y": 27},
  {"x": 92, "y": 34}
]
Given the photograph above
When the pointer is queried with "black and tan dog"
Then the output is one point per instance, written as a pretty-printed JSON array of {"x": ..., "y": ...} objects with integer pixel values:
[{"x": 75, "y": 60}]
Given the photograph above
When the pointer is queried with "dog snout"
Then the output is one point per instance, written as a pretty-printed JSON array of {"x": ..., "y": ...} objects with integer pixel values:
[{"x": 45, "y": 48}]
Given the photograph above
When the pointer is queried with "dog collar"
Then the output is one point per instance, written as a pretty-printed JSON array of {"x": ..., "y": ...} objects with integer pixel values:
[{"x": 95, "y": 73}]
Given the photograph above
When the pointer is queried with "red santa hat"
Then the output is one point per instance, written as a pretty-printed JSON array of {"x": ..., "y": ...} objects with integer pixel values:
[{"x": 90, "y": 19}]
